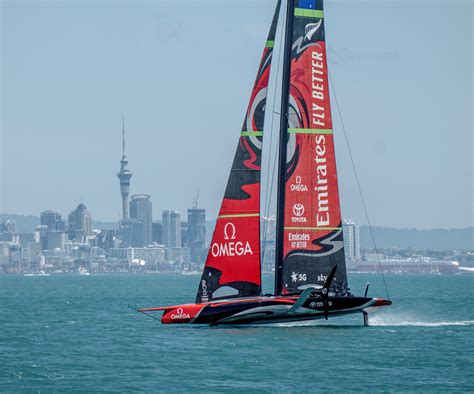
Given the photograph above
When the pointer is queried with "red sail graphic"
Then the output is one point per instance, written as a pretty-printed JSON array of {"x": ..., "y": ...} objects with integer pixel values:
[
  {"x": 313, "y": 241},
  {"x": 232, "y": 267}
]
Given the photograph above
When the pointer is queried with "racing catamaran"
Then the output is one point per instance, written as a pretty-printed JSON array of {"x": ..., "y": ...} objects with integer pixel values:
[{"x": 310, "y": 268}]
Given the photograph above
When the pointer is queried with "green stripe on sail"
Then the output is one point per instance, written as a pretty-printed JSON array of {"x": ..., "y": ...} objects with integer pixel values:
[
  {"x": 250, "y": 133},
  {"x": 309, "y": 13},
  {"x": 314, "y": 228},
  {"x": 269, "y": 44},
  {"x": 310, "y": 131},
  {"x": 239, "y": 215}
]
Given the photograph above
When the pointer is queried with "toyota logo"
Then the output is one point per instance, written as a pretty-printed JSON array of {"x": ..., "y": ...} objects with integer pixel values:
[{"x": 298, "y": 209}]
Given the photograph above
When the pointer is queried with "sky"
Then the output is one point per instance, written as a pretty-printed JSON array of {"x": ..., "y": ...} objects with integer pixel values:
[{"x": 181, "y": 72}]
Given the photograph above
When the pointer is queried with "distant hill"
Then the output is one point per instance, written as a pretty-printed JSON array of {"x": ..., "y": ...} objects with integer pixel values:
[
  {"x": 24, "y": 223},
  {"x": 385, "y": 237},
  {"x": 435, "y": 239},
  {"x": 27, "y": 223}
]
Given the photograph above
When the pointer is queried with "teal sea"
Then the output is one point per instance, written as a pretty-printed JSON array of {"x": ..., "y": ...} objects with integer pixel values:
[{"x": 75, "y": 333}]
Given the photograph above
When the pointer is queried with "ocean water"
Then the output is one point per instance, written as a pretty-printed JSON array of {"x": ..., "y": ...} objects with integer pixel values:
[{"x": 75, "y": 333}]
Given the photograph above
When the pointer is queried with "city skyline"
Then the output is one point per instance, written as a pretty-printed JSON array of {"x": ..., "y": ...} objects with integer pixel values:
[{"x": 399, "y": 141}]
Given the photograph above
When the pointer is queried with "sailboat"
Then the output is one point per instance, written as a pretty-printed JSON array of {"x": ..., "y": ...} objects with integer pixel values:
[{"x": 310, "y": 269}]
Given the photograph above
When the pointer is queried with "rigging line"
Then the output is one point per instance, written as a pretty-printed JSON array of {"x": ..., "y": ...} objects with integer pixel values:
[
  {"x": 266, "y": 208},
  {"x": 358, "y": 184},
  {"x": 145, "y": 313}
]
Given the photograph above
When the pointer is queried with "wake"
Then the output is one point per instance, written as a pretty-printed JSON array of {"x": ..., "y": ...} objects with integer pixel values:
[
  {"x": 379, "y": 321},
  {"x": 376, "y": 320}
]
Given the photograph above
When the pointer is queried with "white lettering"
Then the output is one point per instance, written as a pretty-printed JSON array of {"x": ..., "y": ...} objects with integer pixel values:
[
  {"x": 231, "y": 249},
  {"x": 318, "y": 87},
  {"x": 180, "y": 314},
  {"x": 322, "y": 215}
]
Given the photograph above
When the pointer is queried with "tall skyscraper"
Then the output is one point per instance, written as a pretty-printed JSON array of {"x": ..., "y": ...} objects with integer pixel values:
[
  {"x": 80, "y": 223},
  {"x": 157, "y": 233},
  {"x": 54, "y": 233},
  {"x": 197, "y": 233},
  {"x": 124, "y": 176},
  {"x": 351, "y": 239},
  {"x": 52, "y": 220},
  {"x": 140, "y": 209},
  {"x": 171, "y": 229}
]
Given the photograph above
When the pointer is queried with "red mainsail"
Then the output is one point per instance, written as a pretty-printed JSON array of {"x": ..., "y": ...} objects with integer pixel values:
[
  {"x": 232, "y": 267},
  {"x": 313, "y": 241}
]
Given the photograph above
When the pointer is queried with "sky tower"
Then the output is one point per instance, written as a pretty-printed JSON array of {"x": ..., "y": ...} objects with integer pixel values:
[{"x": 124, "y": 176}]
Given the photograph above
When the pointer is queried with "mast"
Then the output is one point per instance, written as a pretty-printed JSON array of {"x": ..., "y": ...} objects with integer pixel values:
[{"x": 285, "y": 96}]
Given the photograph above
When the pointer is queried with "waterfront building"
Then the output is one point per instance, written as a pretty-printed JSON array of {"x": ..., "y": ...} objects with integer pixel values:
[
  {"x": 10, "y": 257},
  {"x": 8, "y": 227},
  {"x": 25, "y": 238},
  {"x": 124, "y": 176},
  {"x": 80, "y": 223},
  {"x": 118, "y": 253},
  {"x": 41, "y": 233},
  {"x": 178, "y": 255},
  {"x": 351, "y": 239},
  {"x": 131, "y": 233},
  {"x": 106, "y": 239},
  {"x": 152, "y": 257},
  {"x": 420, "y": 265},
  {"x": 35, "y": 252},
  {"x": 141, "y": 209},
  {"x": 8, "y": 231},
  {"x": 157, "y": 233},
  {"x": 171, "y": 229},
  {"x": 56, "y": 240},
  {"x": 7, "y": 237},
  {"x": 184, "y": 235}
]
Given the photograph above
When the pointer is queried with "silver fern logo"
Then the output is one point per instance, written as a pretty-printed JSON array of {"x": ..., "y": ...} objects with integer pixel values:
[{"x": 310, "y": 29}]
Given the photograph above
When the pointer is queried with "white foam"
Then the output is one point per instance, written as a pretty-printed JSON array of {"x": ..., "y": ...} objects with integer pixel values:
[{"x": 376, "y": 321}]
